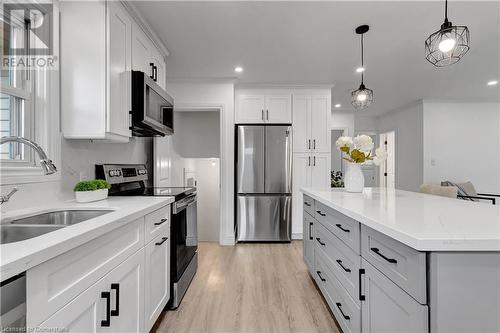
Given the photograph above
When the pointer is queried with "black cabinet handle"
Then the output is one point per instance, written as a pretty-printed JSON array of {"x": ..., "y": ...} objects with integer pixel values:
[
  {"x": 314, "y": 158},
  {"x": 314, "y": 144},
  {"x": 361, "y": 296},
  {"x": 307, "y": 204},
  {"x": 267, "y": 114},
  {"x": 338, "y": 225},
  {"x": 155, "y": 73},
  {"x": 309, "y": 144},
  {"x": 163, "y": 240},
  {"x": 116, "y": 288},
  {"x": 343, "y": 267},
  {"x": 377, "y": 251},
  {"x": 310, "y": 231},
  {"x": 107, "y": 296},
  {"x": 320, "y": 213},
  {"x": 319, "y": 241},
  {"x": 161, "y": 222},
  {"x": 320, "y": 277},
  {"x": 152, "y": 76},
  {"x": 339, "y": 306},
  {"x": 309, "y": 159}
]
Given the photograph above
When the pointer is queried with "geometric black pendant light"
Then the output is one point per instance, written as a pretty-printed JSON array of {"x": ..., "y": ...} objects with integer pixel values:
[
  {"x": 362, "y": 97},
  {"x": 447, "y": 45}
]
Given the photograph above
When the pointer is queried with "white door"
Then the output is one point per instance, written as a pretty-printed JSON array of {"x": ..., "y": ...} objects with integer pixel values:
[
  {"x": 162, "y": 161},
  {"x": 301, "y": 124},
  {"x": 157, "y": 278},
  {"x": 301, "y": 177},
  {"x": 388, "y": 168},
  {"x": 278, "y": 109},
  {"x": 250, "y": 109},
  {"x": 141, "y": 51},
  {"x": 320, "y": 170},
  {"x": 320, "y": 123},
  {"x": 119, "y": 26}
]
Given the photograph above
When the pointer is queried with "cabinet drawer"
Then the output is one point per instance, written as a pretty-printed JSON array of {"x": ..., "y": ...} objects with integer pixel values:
[
  {"x": 156, "y": 223},
  {"x": 308, "y": 205},
  {"x": 345, "y": 309},
  {"x": 403, "y": 265},
  {"x": 344, "y": 263},
  {"x": 342, "y": 226},
  {"x": 54, "y": 283}
]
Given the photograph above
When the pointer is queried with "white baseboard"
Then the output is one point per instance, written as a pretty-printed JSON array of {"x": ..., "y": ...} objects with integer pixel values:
[
  {"x": 228, "y": 240},
  {"x": 297, "y": 235}
]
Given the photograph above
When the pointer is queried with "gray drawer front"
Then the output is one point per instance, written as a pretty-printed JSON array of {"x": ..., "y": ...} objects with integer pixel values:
[
  {"x": 345, "y": 309},
  {"x": 342, "y": 226},
  {"x": 344, "y": 263},
  {"x": 405, "y": 266},
  {"x": 308, "y": 205}
]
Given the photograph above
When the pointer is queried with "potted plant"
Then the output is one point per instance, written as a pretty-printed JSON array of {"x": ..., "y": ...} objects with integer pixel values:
[
  {"x": 91, "y": 190},
  {"x": 358, "y": 151}
]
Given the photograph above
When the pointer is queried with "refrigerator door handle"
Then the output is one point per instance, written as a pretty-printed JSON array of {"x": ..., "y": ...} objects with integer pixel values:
[{"x": 288, "y": 143}]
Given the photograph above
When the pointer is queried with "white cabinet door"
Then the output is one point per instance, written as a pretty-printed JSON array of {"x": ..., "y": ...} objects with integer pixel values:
[
  {"x": 278, "y": 109},
  {"x": 160, "y": 68},
  {"x": 320, "y": 123},
  {"x": 301, "y": 177},
  {"x": 301, "y": 123},
  {"x": 126, "y": 284},
  {"x": 83, "y": 314},
  {"x": 141, "y": 51},
  {"x": 157, "y": 278},
  {"x": 320, "y": 170},
  {"x": 250, "y": 109},
  {"x": 119, "y": 29},
  {"x": 387, "y": 308}
]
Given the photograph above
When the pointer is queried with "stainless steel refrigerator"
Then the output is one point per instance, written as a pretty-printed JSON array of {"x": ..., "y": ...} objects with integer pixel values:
[{"x": 263, "y": 183}]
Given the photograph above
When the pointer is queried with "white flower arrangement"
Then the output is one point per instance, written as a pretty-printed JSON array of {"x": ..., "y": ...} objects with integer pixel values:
[{"x": 359, "y": 150}]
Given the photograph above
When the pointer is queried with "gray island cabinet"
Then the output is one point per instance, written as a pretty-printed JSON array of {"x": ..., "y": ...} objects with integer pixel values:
[{"x": 394, "y": 261}]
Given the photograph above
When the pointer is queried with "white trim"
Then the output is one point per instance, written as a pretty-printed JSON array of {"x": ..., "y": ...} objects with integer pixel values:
[{"x": 297, "y": 236}]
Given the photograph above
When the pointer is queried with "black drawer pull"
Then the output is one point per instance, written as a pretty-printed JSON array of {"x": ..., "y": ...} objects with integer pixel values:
[
  {"x": 307, "y": 204},
  {"x": 338, "y": 225},
  {"x": 163, "y": 240},
  {"x": 361, "y": 296},
  {"x": 116, "y": 288},
  {"x": 310, "y": 231},
  {"x": 320, "y": 277},
  {"x": 339, "y": 306},
  {"x": 107, "y": 296},
  {"x": 320, "y": 213},
  {"x": 343, "y": 267},
  {"x": 161, "y": 221},
  {"x": 319, "y": 241},
  {"x": 377, "y": 251}
]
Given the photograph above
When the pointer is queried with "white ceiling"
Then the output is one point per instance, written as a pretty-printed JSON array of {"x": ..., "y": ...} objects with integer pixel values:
[{"x": 314, "y": 42}]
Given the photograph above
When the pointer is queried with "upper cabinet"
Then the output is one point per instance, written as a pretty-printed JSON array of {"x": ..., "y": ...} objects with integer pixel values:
[
  {"x": 311, "y": 123},
  {"x": 263, "y": 108},
  {"x": 99, "y": 47}
]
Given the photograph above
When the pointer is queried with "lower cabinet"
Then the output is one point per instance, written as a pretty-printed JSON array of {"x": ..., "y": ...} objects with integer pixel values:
[
  {"x": 104, "y": 306},
  {"x": 308, "y": 240}
]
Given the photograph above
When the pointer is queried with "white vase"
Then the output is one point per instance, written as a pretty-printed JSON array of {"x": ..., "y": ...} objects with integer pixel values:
[
  {"x": 89, "y": 196},
  {"x": 354, "y": 180}
]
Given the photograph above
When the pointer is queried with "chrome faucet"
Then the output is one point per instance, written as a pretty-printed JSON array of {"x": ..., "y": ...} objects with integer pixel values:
[
  {"x": 5, "y": 198},
  {"x": 47, "y": 166}
]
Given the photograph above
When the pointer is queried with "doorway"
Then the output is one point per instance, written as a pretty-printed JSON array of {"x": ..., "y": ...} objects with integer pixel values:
[
  {"x": 387, "y": 169},
  {"x": 337, "y": 161}
]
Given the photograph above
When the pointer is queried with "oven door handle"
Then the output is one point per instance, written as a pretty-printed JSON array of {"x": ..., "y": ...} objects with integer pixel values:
[{"x": 183, "y": 204}]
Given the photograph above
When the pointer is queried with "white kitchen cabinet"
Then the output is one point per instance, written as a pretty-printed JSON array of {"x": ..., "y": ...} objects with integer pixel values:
[
  {"x": 161, "y": 67},
  {"x": 157, "y": 277},
  {"x": 95, "y": 88},
  {"x": 320, "y": 170},
  {"x": 261, "y": 108},
  {"x": 311, "y": 123}
]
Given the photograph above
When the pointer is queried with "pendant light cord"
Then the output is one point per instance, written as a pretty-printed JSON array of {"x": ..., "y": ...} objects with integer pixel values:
[
  {"x": 362, "y": 58},
  {"x": 446, "y": 10}
]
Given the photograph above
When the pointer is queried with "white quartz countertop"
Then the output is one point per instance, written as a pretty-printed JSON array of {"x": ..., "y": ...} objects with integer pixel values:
[
  {"x": 18, "y": 257},
  {"x": 422, "y": 221}
]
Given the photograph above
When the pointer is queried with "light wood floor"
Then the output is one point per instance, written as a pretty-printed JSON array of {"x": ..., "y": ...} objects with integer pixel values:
[{"x": 250, "y": 288}]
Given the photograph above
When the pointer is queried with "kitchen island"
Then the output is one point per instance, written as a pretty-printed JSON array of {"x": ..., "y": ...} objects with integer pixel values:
[{"x": 398, "y": 261}]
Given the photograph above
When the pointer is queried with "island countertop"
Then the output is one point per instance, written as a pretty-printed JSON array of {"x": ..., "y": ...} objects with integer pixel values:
[{"x": 422, "y": 221}]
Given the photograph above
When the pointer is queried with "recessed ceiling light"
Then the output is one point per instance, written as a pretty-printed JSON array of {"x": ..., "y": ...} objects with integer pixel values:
[
  {"x": 493, "y": 83},
  {"x": 360, "y": 69},
  {"x": 338, "y": 105},
  {"x": 238, "y": 69}
]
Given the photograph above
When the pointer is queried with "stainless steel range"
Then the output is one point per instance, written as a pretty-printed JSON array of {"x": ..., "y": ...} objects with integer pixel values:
[{"x": 131, "y": 180}]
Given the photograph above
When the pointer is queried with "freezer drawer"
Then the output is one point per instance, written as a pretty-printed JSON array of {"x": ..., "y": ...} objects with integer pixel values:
[{"x": 264, "y": 218}]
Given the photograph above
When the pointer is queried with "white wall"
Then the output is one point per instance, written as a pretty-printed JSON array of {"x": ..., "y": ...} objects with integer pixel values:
[
  {"x": 197, "y": 134},
  {"x": 462, "y": 143},
  {"x": 407, "y": 123},
  {"x": 343, "y": 120},
  {"x": 192, "y": 94}
]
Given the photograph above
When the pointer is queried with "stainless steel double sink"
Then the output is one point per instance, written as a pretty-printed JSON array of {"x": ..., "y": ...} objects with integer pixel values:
[{"x": 35, "y": 225}]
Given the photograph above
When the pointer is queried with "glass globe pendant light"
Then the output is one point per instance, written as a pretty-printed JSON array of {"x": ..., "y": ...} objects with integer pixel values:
[
  {"x": 447, "y": 45},
  {"x": 362, "y": 97}
]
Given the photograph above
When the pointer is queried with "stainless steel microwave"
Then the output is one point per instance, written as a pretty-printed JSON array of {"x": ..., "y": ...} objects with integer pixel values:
[{"x": 152, "y": 108}]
